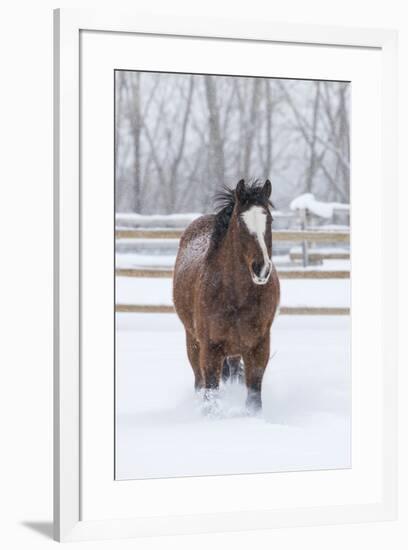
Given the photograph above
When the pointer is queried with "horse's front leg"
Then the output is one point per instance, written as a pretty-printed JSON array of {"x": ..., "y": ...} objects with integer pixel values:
[
  {"x": 193, "y": 353},
  {"x": 211, "y": 361},
  {"x": 255, "y": 361}
]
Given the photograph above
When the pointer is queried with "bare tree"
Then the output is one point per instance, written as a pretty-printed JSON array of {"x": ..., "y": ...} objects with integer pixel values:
[
  {"x": 180, "y": 137},
  {"x": 327, "y": 142},
  {"x": 172, "y": 189},
  {"x": 135, "y": 121},
  {"x": 216, "y": 147}
]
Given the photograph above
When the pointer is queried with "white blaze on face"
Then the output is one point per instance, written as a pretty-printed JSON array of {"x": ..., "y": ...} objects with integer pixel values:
[{"x": 255, "y": 220}]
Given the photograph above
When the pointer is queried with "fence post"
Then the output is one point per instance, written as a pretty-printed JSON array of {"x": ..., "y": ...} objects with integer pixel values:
[{"x": 305, "y": 247}]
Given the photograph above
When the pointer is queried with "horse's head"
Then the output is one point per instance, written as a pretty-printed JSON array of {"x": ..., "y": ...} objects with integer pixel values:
[{"x": 253, "y": 221}]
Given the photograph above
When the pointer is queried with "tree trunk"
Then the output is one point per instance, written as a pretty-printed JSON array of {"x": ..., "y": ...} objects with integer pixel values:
[
  {"x": 251, "y": 128},
  {"x": 136, "y": 131},
  {"x": 216, "y": 146},
  {"x": 268, "y": 130},
  {"x": 312, "y": 145}
]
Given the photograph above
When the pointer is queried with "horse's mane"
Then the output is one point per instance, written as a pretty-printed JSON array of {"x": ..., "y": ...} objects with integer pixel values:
[{"x": 225, "y": 201}]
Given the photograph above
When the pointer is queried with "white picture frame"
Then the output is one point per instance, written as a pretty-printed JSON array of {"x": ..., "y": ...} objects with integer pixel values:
[{"x": 68, "y": 401}]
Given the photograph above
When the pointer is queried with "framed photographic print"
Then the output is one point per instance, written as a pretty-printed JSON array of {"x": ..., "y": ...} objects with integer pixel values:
[{"x": 225, "y": 297}]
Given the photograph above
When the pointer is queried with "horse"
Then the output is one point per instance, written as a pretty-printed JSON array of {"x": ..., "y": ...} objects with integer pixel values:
[{"x": 226, "y": 290}]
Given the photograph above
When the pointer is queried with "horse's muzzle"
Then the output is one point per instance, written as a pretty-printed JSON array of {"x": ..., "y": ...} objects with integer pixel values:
[{"x": 260, "y": 272}]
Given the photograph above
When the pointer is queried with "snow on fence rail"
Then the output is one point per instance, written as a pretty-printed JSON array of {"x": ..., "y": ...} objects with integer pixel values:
[
  {"x": 307, "y": 202},
  {"x": 306, "y": 206}
]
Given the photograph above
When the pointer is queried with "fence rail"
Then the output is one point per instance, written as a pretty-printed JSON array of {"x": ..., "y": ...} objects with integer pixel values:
[
  {"x": 317, "y": 257},
  {"x": 286, "y": 310},
  {"x": 283, "y": 274},
  {"x": 279, "y": 235}
]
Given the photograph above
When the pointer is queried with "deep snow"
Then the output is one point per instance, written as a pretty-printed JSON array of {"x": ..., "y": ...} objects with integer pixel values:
[{"x": 161, "y": 432}]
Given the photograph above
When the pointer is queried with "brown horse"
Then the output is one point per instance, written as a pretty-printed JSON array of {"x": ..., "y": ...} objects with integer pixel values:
[{"x": 226, "y": 289}]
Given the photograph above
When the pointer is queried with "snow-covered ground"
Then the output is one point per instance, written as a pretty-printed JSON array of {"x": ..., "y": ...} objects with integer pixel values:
[
  {"x": 294, "y": 292},
  {"x": 161, "y": 431}
]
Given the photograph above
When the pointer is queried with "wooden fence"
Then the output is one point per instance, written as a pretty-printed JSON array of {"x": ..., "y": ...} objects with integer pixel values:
[{"x": 294, "y": 236}]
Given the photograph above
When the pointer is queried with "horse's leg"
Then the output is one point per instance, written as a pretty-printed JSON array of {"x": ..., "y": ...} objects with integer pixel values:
[
  {"x": 255, "y": 361},
  {"x": 193, "y": 353},
  {"x": 226, "y": 371},
  {"x": 211, "y": 362}
]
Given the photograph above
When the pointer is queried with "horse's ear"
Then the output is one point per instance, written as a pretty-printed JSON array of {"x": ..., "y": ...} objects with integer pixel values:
[
  {"x": 240, "y": 190},
  {"x": 267, "y": 189}
]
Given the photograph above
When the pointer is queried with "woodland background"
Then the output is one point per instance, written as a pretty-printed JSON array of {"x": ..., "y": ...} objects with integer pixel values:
[{"x": 179, "y": 137}]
